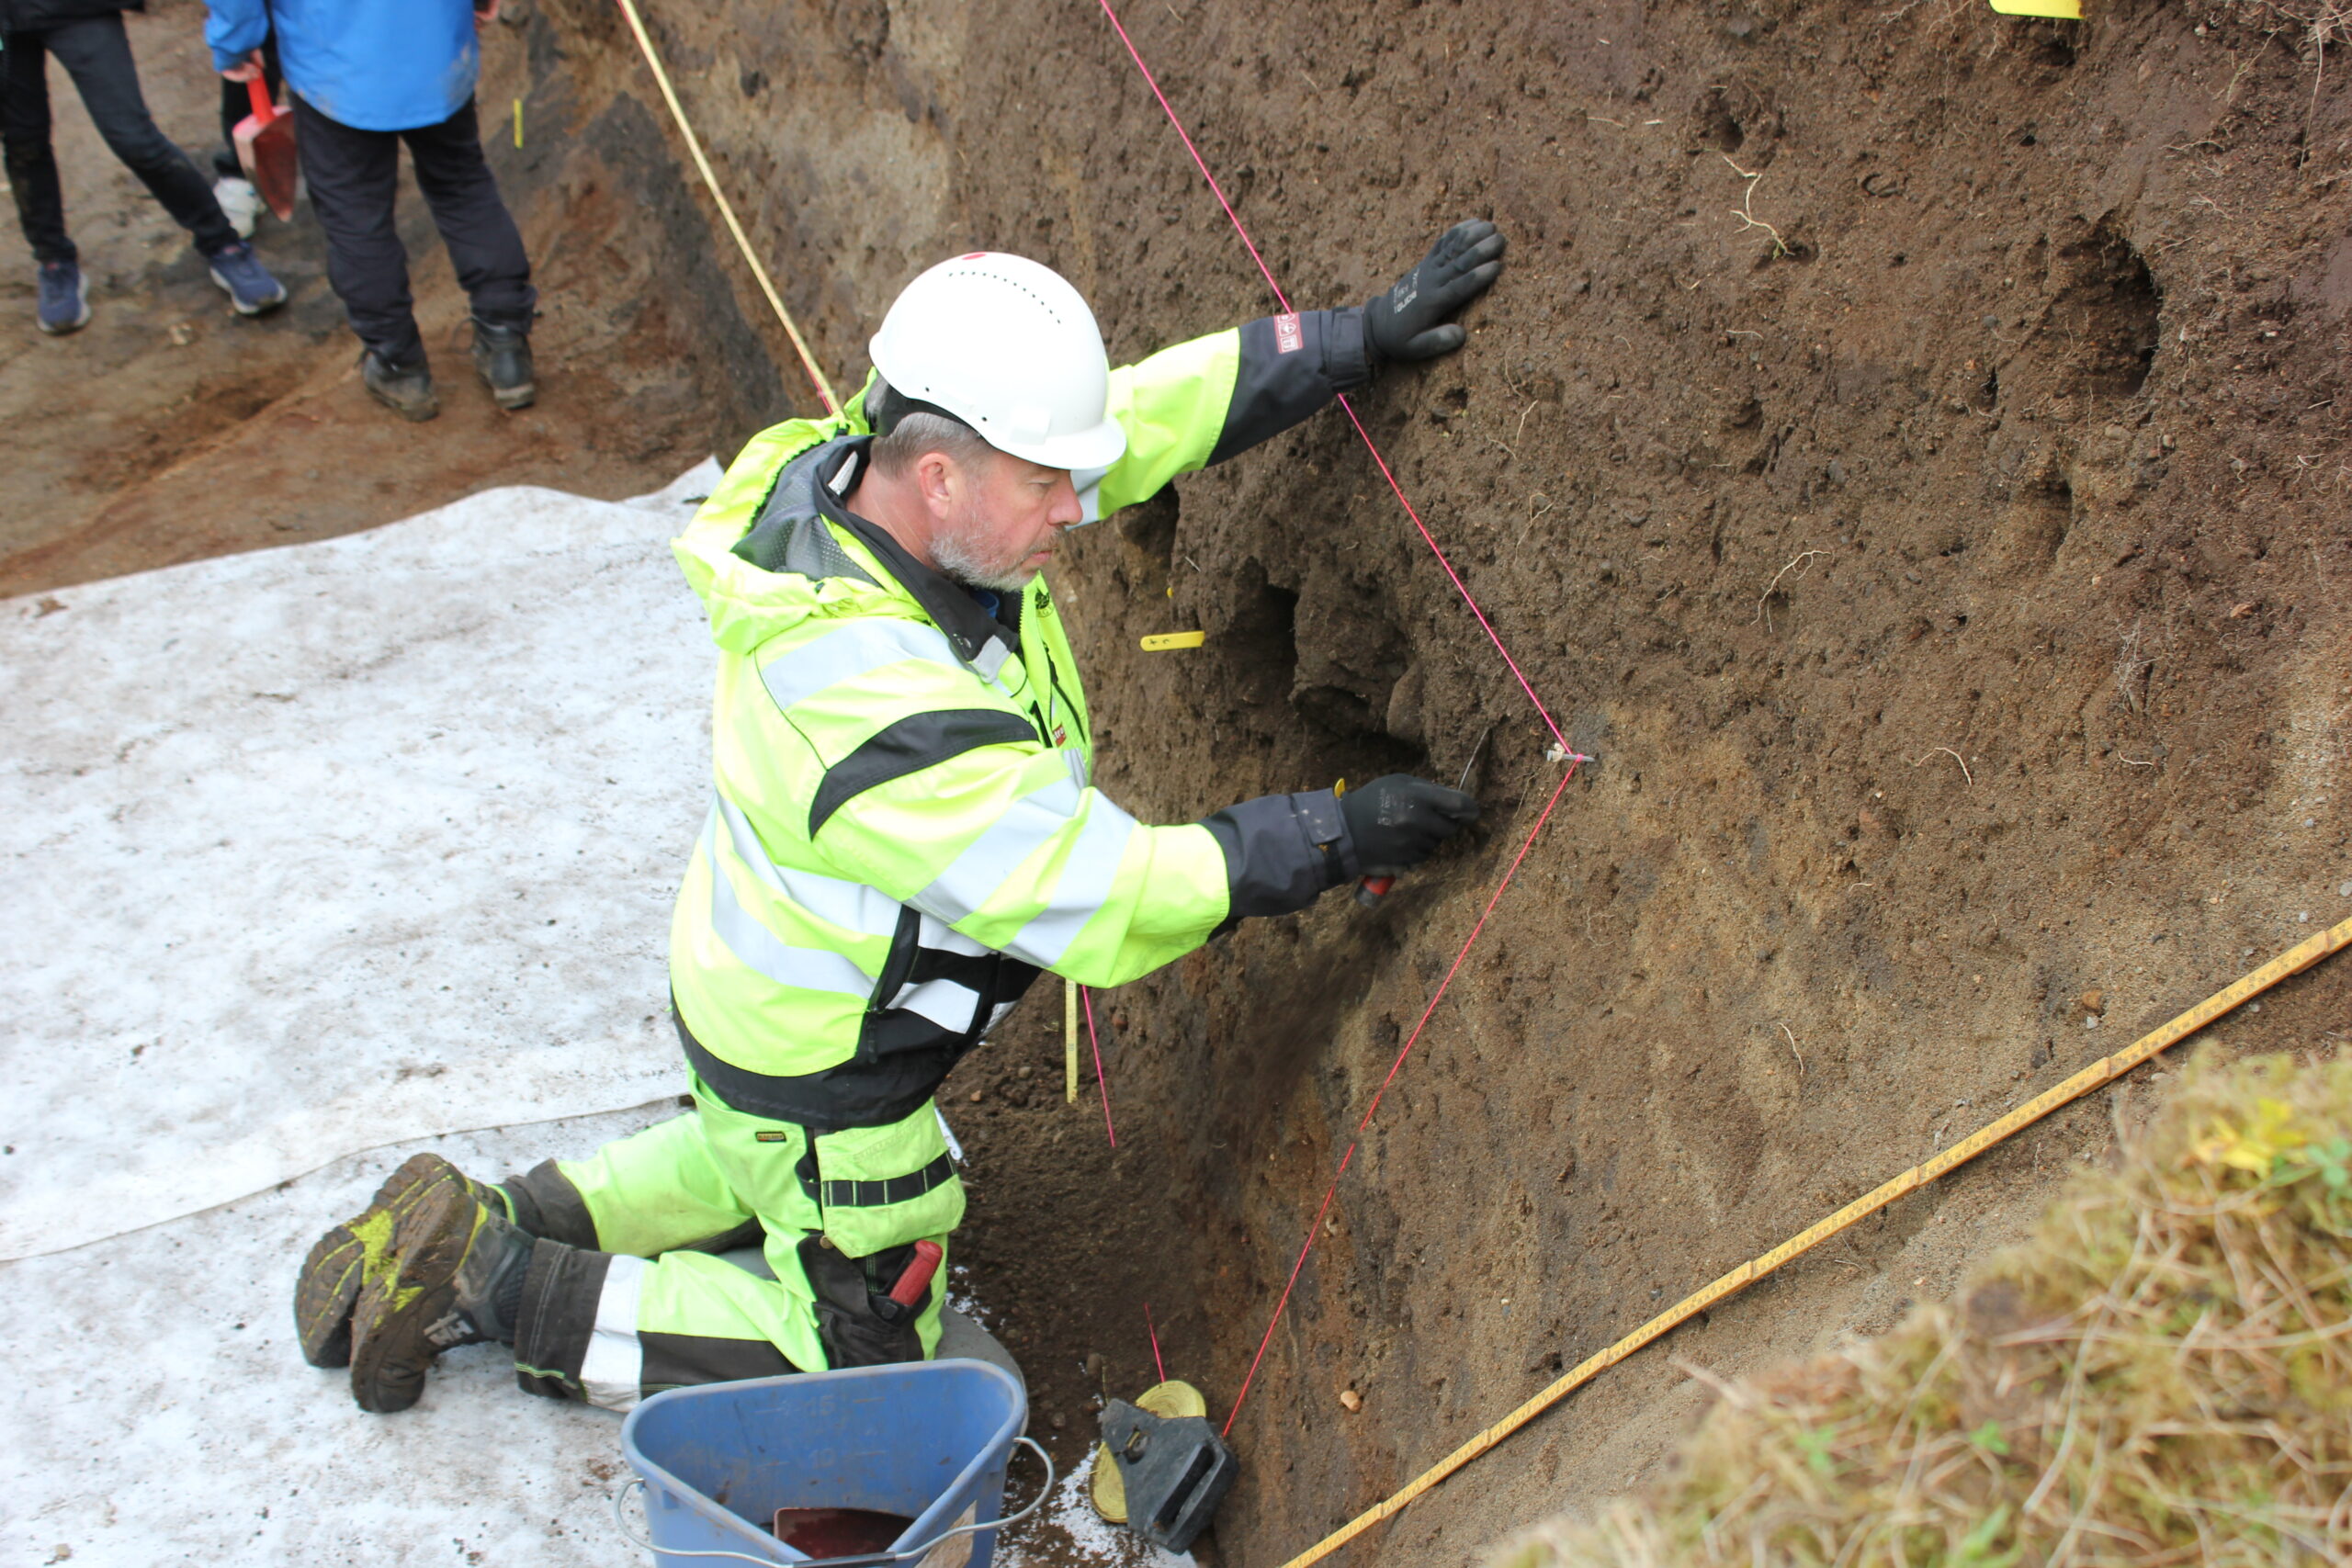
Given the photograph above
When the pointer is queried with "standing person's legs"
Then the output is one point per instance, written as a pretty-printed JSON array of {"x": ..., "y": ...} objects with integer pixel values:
[
  {"x": 98, "y": 53},
  {"x": 485, "y": 248},
  {"x": 24, "y": 135},
  {"x": 353, "y": 179}
]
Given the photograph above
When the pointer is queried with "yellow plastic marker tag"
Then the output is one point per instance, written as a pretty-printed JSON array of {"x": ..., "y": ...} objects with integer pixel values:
[
  {"x": 1069, "y": 1040},
  {"x": 2065, "y": 10},
  {"x": 1160, "y": 642},
  {"x": 519, "y": 122}
]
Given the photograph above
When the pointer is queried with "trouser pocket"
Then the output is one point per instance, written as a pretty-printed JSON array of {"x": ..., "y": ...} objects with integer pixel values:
[
  {"x": 880, "y": 1190},
  {"x": 858, "y": 1322}
]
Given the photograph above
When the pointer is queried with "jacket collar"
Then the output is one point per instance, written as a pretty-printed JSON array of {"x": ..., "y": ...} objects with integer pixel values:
[{"x": 830, "y": 472}]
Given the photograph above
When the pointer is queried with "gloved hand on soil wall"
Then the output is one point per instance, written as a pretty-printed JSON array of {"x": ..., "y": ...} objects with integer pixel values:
[
  {"x": 1414, "y": 320},
  {"x": 1284, "y": 851},
  {"x": 1398, "y": 821}
]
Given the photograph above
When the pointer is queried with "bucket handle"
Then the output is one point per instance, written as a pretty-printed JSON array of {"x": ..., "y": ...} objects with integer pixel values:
[{"x": 870, "y": 1560}]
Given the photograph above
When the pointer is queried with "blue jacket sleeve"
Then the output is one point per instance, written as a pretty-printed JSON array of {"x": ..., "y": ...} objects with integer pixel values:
[{"x": 235, "y": 28}]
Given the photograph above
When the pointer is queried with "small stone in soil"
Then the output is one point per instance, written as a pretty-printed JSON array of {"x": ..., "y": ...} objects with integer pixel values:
[{"x": 1352, "y": 1399}]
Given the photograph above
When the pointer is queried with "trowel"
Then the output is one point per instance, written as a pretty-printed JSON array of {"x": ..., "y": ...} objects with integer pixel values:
[
  {"x": 265, "y": 147},
  {"x": 1161, "y": 1469}
]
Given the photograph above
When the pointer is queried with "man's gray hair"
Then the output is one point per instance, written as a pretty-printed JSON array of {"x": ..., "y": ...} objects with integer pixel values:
[{"x": 919, "y": 431}]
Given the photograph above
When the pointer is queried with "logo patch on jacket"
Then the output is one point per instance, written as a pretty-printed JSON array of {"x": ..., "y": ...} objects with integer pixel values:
[
  {"x": 773, "y": 1135},
  {"x": 1288, "y": 337}
]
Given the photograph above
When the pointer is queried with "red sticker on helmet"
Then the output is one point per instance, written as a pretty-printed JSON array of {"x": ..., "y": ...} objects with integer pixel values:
[{"x": 971, "y": 255}]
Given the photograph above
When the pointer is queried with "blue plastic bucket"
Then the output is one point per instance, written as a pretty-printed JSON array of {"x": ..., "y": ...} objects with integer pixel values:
[{"x": 929, "y": 1439}]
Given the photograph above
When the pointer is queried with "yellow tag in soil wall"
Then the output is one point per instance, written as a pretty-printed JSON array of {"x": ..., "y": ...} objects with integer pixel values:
[
  {"x": 1160, "y": 642},
  {"x": 2065, "y": 10}
]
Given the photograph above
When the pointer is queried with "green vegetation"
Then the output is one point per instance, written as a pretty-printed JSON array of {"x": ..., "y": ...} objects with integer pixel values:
[{"x": 2162, "y": 1375}]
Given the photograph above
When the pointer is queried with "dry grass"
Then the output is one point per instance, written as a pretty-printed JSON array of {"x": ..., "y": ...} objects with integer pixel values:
[{"x": 2162, "y": 1376}]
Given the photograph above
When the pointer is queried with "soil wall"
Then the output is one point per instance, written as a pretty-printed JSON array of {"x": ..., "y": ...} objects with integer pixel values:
[{"x": 1905, "y": 445}]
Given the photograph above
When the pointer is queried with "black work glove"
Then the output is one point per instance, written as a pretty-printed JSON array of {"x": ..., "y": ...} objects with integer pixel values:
[
  {"x": 1415, "y": 320},
  {"x": 1398, "y": 821}
]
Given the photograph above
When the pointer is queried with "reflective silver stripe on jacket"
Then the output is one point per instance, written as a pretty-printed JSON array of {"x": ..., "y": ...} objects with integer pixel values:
[
  {"x": 760, "y": 949},
  {"x": 1085, "y": 884},
  {"x": 992, "y": 858},
  {"x": 852, "y": 906},
  {"x": 860, "y": 645},
  {"x": 950, "y": 1004}
]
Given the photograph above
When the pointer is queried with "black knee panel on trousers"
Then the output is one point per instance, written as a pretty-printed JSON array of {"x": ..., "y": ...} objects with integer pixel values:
[{"x": 546, "y": 1205}]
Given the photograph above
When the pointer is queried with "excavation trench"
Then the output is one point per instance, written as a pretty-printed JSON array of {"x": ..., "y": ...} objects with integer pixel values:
[{"x": 1950, "y": 577}]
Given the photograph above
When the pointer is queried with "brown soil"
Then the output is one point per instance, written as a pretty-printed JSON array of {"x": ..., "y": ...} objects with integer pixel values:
[
  {"x": 1955, "y": 590},
  {"x": 170, "y": 429}
]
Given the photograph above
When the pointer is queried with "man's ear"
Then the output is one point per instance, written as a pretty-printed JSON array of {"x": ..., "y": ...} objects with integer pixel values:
[{"x": 940, "y": 481}]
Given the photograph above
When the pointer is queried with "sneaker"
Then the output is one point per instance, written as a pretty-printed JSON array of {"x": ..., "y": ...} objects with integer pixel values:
[
  {"x": 451, "y": 1259},
  {"x": 239, "y": 203},
  {"x": 503, "y": 360},
  {"x": 251, "y": 288},
  {"x": 64, "y": 298},
  {"x": 343, "y": 1261},
  {"x": 406, "y": 390}
]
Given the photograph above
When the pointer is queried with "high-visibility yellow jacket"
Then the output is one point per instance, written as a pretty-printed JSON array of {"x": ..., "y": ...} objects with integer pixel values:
[{"x": 902, "y": 833}]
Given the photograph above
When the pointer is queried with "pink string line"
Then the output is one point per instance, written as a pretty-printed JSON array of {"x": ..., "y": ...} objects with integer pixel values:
[
  {"x": 1239, "y": 228},
  {"x": 1315, "y": 1226},
  {"x": 1086, "y": 1001},
  {"x": 1148, "y": 1328}
]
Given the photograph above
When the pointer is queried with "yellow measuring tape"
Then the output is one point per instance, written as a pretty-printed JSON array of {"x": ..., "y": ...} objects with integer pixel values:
[
  {"x": 711, "y": 181},
  {"x": 2106, "y": 1070}
]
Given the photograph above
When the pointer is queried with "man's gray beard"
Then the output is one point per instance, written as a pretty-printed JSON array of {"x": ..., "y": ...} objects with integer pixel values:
[{"x": 959, "y": 563}]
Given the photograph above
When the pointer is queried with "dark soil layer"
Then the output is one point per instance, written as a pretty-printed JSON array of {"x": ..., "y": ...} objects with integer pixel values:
[
  {"x": 2042, "y": 368},
  {"x": 1906, "y": 445}
]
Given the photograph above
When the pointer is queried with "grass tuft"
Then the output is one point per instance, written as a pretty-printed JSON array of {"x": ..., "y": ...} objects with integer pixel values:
[{"x": 2163, "y": 1374}]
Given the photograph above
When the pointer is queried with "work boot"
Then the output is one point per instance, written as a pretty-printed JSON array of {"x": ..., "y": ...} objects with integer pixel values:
[
  {"x": 454, "y": 1277},
  {"x": 251, "y": 288},
  {"x": 406, "y": 390},
  {"x": 64, "y": 298},
  {"x": 350, "y": 1254},
  {"x": 503, "y": 360}
]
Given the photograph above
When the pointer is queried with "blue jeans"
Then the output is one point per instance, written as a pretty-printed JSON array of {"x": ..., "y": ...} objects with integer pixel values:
[{"x": 96, "y": 54}]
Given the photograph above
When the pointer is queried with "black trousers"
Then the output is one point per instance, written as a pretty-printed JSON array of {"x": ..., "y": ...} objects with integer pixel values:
[
  {"x": 352, "y": 178},
  {"x": 96, "y": 54}
]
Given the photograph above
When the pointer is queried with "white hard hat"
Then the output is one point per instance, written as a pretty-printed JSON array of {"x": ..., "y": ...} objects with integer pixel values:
[{"x": 1009, "y": 347}]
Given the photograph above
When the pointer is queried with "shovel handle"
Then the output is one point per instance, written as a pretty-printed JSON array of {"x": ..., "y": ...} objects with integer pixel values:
[{"x": 257, "y": 93}]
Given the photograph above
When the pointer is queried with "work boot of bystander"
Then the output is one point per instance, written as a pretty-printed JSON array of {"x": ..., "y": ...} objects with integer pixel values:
[
  {"x": 503, "y": 360},
  {"x": 406, "y": 390}
]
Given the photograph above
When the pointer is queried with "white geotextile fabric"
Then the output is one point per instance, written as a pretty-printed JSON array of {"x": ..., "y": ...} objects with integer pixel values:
[
  {"x": 315, "y": 857},
  {"x": 315, "y": 849}
]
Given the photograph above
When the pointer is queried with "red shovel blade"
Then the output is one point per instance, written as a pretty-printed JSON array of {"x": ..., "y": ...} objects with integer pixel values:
[{"x": 265, "y": 147}]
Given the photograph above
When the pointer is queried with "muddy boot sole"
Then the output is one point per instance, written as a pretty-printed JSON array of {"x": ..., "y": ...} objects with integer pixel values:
[
  {"x": 407, "y": 1314},
  {"x": 416, "y": 411},
  {"x": 335, "y": 1270}
]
